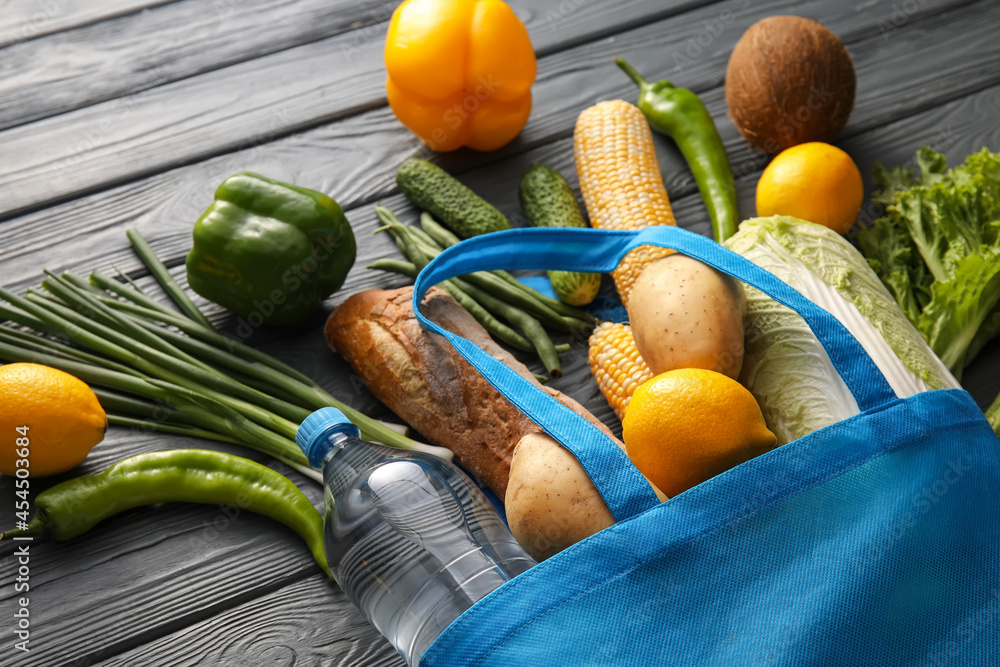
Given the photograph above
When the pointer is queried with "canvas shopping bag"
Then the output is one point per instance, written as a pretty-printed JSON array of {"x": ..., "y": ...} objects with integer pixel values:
[{"x": 873, "y": 541}]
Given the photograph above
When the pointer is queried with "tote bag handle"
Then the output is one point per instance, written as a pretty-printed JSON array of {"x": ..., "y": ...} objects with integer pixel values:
[{"x": 618, "y": 481}]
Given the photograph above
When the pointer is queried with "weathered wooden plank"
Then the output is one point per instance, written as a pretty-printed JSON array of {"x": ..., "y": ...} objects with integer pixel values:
[
  {"x": 959, "y": 125},
  {"x": 218, "y": 111},
  {"x": 249, "y": 103},
  {"x": 243, "y": 104},
  {"x": 23, "y": 20},
  {"x": 310, "y": 622},
  {"x": 113, "y": 58},
  {"x": 956, "y": 127},
  {"x": 354, "y": 160},
  {"x": 184, "y": 563}
]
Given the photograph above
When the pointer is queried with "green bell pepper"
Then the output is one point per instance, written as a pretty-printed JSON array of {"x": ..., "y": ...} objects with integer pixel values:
[{"x": 270, "y": 251}]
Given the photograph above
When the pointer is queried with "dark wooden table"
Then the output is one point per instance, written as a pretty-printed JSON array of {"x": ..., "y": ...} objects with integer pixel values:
[{"x": 119, "y": 113}]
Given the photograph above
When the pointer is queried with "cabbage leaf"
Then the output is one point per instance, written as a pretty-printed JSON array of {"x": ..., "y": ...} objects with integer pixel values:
[{"x": 784, "y": 365}]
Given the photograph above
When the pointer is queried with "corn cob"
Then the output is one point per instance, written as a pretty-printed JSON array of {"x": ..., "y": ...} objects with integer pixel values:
[
  {"x": 616, "y": 364},
  {"x": 620, "y": 180}
]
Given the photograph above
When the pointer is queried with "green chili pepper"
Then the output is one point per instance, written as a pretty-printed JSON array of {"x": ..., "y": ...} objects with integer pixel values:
[
  {"x": 73, "y": 507},
  {"x": 682, "y": 116},
  {"x": 270, "y": 251}
]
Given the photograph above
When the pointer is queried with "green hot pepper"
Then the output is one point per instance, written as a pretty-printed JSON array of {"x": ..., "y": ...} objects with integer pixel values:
[
  {"x": 681, "y": 115},
  {"x": 73, "y": 507},
  {"x": 270, "y": 251}
]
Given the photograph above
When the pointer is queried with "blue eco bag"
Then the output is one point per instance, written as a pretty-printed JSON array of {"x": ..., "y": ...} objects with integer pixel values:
[{"x": 873, "y": 541}]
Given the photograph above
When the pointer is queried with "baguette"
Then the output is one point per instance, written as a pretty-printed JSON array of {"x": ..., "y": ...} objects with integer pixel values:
[{"x": 428, "y": 384}]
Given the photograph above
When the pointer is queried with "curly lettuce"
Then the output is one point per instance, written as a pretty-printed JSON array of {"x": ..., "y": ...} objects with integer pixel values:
[
  {"x": 937, "y": 249},
  {"x": 784, "y": 366}
]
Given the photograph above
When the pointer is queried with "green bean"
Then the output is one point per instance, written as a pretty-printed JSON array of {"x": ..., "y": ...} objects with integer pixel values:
[
  {"x": 485, "y": 280},
  {"x": 162, "y": 275},
  {"x": 532, "y": 328},
  {"x": 393, "y": 265},
  {"x": 410, "y": 247},
  {"x": 132, "y": 293},
  {"x": 441, "y": 235},
  {"x": 262, "y": 368},
  {"x": 483, "y": 316},
  {"x": 160, "y": 418},
  {"x": 445, "y": 238},
  {"x": 279, "y": 415},
  {"x": 424, "y": 238},
  {"x": 415, "y": 247},
  {"x": 564, "y": 309},
  {"x": 20, "y": 317},
  {"x": 478, "y": 312},
  {"x": 133, "y": 354},
  {"x": 217, "y": 417}
]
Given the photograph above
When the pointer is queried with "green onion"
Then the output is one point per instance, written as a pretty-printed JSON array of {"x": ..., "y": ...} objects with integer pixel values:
[
  {"x": 162, "y": 275},
  {"x": 161, "y": 370}
]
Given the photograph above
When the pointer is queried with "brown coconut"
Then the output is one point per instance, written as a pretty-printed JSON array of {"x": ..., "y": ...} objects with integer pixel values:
[{"x": 789, "y": 81}]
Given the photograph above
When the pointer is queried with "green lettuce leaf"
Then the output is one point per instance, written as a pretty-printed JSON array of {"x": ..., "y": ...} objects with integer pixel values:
[
  {"x": 784, "y": 366},
  {"x": 936, "y": 249}
]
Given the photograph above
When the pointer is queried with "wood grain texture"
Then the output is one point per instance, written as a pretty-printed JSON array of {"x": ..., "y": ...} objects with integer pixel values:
[
  {"x": 956, "y": 127},
  {"x": 255, "y": 102},
  {"x": 24, "y": 20},
  {"x": 112, "y": 58},
  {"x": 157, "y": 586},
  {"x": 315, "y": 625},
  {"x": 354, "y": 160},
  {"x": 148, "y": 570},
  {"x": 227, "y": 109}
]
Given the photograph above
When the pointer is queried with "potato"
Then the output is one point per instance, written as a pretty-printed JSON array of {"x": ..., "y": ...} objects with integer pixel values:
[
  {"x": 685, "y": 314},
  {"x": 551, "y": 502}
]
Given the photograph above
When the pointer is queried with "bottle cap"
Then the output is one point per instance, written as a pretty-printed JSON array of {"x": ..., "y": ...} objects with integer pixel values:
[{"x": 317, "y": 428}]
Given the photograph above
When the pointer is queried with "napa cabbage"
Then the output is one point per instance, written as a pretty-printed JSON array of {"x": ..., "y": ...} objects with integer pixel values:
[{"x": 784, "y": 365}]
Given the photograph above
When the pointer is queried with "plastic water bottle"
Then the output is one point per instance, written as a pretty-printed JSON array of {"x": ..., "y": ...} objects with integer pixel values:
[{"x": 410, "y": 538}]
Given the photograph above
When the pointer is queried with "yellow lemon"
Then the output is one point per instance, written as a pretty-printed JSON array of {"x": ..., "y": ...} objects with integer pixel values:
[
  {"x": 813, "y": 181},
  {"x": 49, "y": 415},
  {"x": 688, "y": 425}
]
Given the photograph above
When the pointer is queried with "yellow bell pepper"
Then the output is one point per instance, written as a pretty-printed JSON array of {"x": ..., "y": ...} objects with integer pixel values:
[{"x": 460, "y": 72}]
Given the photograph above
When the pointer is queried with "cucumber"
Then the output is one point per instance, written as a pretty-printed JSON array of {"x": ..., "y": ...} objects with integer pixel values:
[
  {"x": 548, "y": 201},
  {"x": 436, "y": 191}
]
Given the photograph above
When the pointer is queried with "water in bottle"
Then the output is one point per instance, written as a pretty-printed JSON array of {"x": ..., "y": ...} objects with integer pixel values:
[{"x": 410, "y": 538}]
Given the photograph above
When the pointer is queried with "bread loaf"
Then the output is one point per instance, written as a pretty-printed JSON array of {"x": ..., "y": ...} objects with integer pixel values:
[{"x": 421, "y": 377}]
